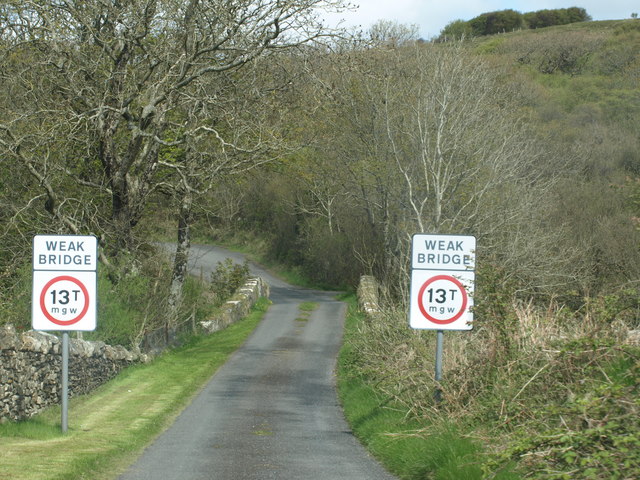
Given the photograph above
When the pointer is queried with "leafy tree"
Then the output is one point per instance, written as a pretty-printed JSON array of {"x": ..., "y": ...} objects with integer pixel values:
[
  {"x": 560, "y": 16},
  {"x": 456, "y": 30},
  {"x": 577, "y": 14},
  {"x": 509, "y": 20},
  {"x": 106, "y": 83},
  {"x": 496, "y": 22}
]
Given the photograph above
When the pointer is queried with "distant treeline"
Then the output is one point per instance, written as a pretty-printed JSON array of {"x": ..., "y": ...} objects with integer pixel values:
[{"x": 509, "y": 20}]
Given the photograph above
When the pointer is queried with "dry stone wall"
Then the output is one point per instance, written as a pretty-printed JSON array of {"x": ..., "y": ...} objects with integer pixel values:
[
  {"x": 31, "y": 363},
  {"x": 368, "y": 295},
  {"x": 239, "y": 305}
]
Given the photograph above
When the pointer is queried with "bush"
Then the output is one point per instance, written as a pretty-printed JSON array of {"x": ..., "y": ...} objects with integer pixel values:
[
  {"x": 227, "y": 278},
  {"x": 560, "y": 16},
  {"x": 561, "y": 52},
  {"x": 593, "y": 432},
  {"x": 550, "y": 390},
  {"x": 496, "y": 22}
]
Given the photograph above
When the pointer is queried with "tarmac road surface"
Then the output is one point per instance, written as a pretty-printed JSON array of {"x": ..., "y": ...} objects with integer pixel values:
[{"x": 271, "y": 412}]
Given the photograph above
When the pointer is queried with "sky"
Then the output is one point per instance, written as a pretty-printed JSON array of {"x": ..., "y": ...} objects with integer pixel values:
[{"x": 431, "y": 16}]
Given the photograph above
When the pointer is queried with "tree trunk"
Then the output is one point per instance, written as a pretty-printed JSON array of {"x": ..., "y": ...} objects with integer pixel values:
[{"x": 182, "y": 256}]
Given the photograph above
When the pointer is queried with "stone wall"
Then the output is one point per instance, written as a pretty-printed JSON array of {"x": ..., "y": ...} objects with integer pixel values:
[
  {"x": 31, "y": 363},
  {"x": 368, "y": 295},
  {"x": 239, "y": 305}
]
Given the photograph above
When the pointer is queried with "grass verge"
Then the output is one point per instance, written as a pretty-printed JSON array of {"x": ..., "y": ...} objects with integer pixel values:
[
  {"x": 109, "y": 428},
  {"x": 409, "y": 448}
]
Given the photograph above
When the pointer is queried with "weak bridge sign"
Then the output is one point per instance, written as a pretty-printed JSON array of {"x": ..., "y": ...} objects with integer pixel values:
[
  {"x": 442, "y": 281},
  {"x": 64, "y": 282}
]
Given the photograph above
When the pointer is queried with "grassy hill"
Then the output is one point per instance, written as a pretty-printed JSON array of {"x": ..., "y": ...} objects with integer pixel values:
[{"x": 582, "y": 85}]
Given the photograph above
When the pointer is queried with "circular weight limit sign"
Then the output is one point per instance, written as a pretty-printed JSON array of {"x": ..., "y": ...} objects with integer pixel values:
[
  {"x": 64, "y": 300},
  {"x": 442, "y": 299}
]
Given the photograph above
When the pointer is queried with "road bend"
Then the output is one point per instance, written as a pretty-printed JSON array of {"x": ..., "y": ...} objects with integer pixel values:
[{"x": 271, "y": 411}]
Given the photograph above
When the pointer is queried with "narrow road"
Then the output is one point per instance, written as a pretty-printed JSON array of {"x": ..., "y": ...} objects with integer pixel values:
[{"x": 271, "y": 411}]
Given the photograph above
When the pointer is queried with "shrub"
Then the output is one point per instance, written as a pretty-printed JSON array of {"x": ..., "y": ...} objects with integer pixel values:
[
  {"x": 560, "y": 16},
  {"x": 496, "y": 22},
  {"x": 548, "y": 389},
  {"x": 227, "y": 278},
  {"x": 592, "y": 433},
  {"x": 561, "y": 52}
]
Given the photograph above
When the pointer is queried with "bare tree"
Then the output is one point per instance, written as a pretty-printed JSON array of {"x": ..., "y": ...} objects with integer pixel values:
[
  {"x": 452, "y": 142},
  {"x": 429, "y": 139},
  {"x": 392, "y": 34},
  {"x": 468, "y": 161}
]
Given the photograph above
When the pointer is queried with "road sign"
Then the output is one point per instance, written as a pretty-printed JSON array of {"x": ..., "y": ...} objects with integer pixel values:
[
  {"x": 442, "y": 282},
  {"x": 65, "y": 253},
  {"x": 64, "y": 282},
  {"x": 64, "y": 293},
  {"x": 443, "y": 252},
  {"x": 440, "y": 300}
]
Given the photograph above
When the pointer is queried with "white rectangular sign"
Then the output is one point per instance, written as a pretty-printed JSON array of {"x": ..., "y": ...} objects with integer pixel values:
[
  {"x": 441, "y": 300},
  {"x": 65, "y": 253},
  {"x": 442, "y": 282},
  {"x": 443, "y": 252},
  {"x": 64, "y": 295}
]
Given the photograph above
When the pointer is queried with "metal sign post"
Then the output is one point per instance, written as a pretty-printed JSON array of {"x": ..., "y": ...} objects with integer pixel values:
[
  {"x": 442, "y": 284},
  {"x": 437, "y": 396},
  {"x": 65, "y": 383},
  {"x": 64, "y": 293}
]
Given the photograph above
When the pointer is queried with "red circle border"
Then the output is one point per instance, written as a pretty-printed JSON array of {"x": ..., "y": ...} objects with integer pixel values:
[
  {"x": 64, "y": 323},
  {"x": 464, "y": 299}
]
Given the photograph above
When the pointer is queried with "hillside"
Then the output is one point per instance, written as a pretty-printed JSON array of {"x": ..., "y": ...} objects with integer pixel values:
[
  {"x": 581, "y": 83},
  {"x": 546, "y": 385}
]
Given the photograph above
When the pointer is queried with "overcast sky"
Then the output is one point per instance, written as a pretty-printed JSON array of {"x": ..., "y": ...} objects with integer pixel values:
[{"x": 432, "y": 16}]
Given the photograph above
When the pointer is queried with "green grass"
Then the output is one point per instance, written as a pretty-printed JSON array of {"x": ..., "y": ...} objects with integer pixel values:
[
  {"x": 408, "y": 448},
  {"x": 109, "y": 428},
  {"x": 37, "y": 428},
  {"x": 308, "y": 306}
]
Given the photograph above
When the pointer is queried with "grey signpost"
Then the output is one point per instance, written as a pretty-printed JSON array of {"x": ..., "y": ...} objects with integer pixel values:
[
  {"x": 442, "y": 285},
  {"x": 64, "y": 293}
]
